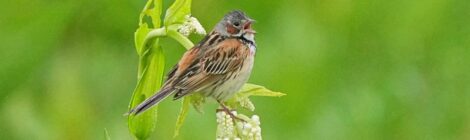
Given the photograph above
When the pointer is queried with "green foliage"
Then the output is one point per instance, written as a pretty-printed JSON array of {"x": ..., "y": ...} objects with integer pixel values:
[
  {"x": 241, "y": 98},
  {"x": 356, "y": 70},
  {"x": 142, "y": 125},
  {"x": 139, "y": 38},
  {"x": 177, "y": 12},
  {"x": 152, "y": 60},
  {"x": 150, "y": 72}
]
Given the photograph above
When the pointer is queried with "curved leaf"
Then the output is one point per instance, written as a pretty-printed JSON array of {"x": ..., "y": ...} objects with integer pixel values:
[
  {"x": 257, "y": 90},
  {"x": 177, "y": 12},
  {"x": 139, "y": 37},
  {"x": 150, "y": 71},
  {"x": 241, "y": 98},
  {"x": 143, "y": 125}
]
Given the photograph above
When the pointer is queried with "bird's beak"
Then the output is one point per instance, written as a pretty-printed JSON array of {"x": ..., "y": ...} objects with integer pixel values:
[
  {"x": 251, "y": 31},
  {"x": 247, "y": 27}
]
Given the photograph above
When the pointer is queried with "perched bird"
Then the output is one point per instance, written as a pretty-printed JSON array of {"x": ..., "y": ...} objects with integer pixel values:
[{"x": 217, "y": 67}]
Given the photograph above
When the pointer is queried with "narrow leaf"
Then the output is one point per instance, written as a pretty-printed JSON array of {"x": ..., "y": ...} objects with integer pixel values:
[
  {"x": 106, "y": 134},
  {"x": 182, "y": 116}
]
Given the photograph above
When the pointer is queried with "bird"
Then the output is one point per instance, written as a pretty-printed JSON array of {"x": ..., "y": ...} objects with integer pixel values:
[{"x": 217, "y": 67}]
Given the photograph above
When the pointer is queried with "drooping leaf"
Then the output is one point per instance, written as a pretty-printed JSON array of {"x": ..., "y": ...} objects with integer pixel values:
[{"x": 182, "y": 116}]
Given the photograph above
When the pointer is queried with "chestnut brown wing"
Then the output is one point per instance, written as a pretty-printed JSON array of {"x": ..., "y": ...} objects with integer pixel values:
[{"x": 211, "y": 66}]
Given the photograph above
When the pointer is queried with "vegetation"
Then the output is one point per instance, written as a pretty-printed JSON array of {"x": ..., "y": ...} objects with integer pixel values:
[{"x": 356, "y": 70}]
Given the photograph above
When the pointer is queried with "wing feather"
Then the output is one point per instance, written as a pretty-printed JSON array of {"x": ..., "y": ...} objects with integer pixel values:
[
  {"x": 224, "y": 58},
  {"x": 209, "y": 67}
]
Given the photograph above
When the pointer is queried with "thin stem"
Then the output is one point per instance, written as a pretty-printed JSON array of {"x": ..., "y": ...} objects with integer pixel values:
[
  {"x": 183, "y": 40},
  {"x": 160, "y": 32}
]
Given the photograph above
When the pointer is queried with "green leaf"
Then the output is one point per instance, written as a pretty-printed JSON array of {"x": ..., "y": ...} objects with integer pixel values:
[
  {"x": 257, "y": 90},
  {"x": 155, "y": 13},
  {"x": 139, "y": 37},
  {"x": 150, "y": 71},
  {"x": 197, "y": 100},
  {"x": 241, "y": 98},
  {"x": 106, "y": 134},
  {"x": 153, "y": 8},
  {"x": 143, "y": 124},
  {"x": 177, "y": 12},
  {"x": 182, "y": 116}
]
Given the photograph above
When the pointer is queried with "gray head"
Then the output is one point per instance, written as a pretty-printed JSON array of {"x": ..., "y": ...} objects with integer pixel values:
[{"x": 236, "y": 24}]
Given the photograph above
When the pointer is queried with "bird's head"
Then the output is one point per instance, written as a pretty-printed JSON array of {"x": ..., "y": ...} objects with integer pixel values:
[{"x": 236, "y": 24}]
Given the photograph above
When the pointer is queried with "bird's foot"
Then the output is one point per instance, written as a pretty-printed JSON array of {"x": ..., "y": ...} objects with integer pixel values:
[{"x": 229, "y": 112}]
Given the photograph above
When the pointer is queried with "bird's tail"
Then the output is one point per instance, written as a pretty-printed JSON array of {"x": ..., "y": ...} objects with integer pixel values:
[{"x": 156, "y": 98}]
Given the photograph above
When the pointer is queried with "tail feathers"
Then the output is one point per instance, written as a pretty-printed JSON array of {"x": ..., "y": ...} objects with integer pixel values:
[{"x": 159, "y": 96}]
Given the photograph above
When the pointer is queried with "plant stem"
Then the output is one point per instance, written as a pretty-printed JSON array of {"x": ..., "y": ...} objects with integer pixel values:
[{"x": 183, "y": 40}]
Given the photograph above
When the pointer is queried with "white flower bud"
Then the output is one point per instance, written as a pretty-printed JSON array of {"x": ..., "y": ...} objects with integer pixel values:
[
  {"x": 191, "y": 25},
  {"x": 235, "y": 129},
  {"x": 197, "y": 26},
  {"x": 255, "y": 118},
  {"x": 247, "y": 126}
]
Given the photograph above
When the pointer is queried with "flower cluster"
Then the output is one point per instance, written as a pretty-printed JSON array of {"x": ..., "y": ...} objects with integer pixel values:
[
  {"x": 250, "y": 130},
  {"x": 225, "y": 126},
  {"x": 191, "y": 25},
  {"x": 247, "y": 104},
  {"x": 229, "y": 128}
]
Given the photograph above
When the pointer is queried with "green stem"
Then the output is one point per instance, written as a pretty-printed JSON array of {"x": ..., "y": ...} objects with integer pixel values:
[
  {"x": 183, "y": 40},
  {"x": 160, "y": 32}
]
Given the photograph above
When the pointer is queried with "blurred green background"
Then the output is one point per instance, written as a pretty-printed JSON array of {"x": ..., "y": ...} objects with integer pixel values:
[{"x": 369, "y": 69}]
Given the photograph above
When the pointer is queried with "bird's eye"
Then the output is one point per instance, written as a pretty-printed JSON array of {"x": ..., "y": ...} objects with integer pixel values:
[{"x": 236, "y": 23}]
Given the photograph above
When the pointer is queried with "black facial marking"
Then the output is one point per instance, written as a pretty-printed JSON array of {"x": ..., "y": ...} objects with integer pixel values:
[{"x": 213, "y": 39}]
